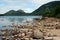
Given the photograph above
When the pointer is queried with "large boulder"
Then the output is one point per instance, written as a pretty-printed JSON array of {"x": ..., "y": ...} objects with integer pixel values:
[{"x": 37, "y": 34}]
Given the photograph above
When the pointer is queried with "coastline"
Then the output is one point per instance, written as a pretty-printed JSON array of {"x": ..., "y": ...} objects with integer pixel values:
[{"x": 46, "y": 27}]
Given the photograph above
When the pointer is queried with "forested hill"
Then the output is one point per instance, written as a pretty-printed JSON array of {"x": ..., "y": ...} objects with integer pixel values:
[{"x": 51, "y": 9}]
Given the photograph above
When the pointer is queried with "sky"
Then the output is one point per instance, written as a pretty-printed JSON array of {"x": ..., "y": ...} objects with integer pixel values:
[{"x": 25, "y": 5}]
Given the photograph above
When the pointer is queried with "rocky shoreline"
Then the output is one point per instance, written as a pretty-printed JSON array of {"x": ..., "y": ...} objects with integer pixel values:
[{"x": 44, "y": 29}]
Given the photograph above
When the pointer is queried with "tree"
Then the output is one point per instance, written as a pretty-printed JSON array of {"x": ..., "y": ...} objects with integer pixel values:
[{"x": 46, "y": 12}]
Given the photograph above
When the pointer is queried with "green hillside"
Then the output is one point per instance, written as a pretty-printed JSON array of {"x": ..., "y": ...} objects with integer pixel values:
[{"x": 51, "y": 9}]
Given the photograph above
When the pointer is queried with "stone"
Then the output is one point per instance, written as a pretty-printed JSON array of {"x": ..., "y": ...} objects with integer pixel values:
[{"x": 37, "y": 34}]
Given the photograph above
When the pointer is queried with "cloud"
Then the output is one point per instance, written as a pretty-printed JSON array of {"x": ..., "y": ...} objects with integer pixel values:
[
  {"x": 38, "y": 3},
  {"x": 41, "y": 1},
  {"x": 29, "y": 10},
  {"x": 26, "y": 5}
]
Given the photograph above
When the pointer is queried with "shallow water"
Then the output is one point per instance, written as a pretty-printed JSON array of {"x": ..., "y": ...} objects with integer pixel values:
[{"x": 8, "y": 20}]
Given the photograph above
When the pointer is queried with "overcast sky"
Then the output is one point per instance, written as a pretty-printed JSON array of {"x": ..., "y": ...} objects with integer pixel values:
[{"x": 26, "y": 5}]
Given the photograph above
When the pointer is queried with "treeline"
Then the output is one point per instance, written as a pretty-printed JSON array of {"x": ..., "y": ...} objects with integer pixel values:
[{"x": 53, "y": 12}]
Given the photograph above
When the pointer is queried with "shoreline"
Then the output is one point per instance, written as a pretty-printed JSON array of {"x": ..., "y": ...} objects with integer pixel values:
[{"x": 43, "y": 28}]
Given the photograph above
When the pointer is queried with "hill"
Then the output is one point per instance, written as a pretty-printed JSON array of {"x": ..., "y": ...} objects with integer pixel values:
[
  {"x": 15, "y": 13},
  {"x": 51, "y": 9}
]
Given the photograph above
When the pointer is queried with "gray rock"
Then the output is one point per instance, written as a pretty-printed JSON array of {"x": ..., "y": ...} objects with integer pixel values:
[{"x": 37, "y": 34}]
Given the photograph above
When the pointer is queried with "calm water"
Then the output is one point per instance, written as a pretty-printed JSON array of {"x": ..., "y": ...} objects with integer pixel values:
[{"x": 8, "y": 20}]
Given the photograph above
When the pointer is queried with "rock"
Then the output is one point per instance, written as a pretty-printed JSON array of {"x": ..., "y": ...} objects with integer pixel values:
[
  {"x": 37, "y": 34},
  {"x": 29, "y": 34},
  {"x": 26, "y": 38}
]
